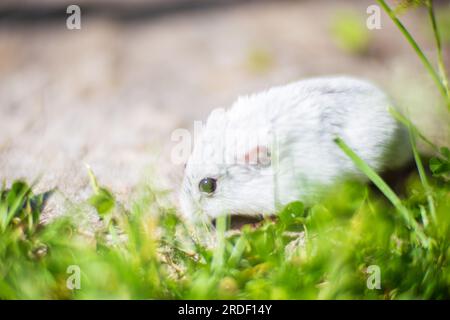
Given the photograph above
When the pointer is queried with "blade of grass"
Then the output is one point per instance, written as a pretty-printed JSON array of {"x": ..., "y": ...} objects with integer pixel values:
[
  {"x": 384, "y": 188},
  {"x": 10, "y": 212},
  {"x": 92, "y": 179},
  {"x": 275, "y": 167},
  {"x": 422, "y": 175},
  {"x": 219, "y": 253},
  {"x": 238, "y": 250},
  {"x": 413, "y": 132},
  {"x": 424, "y": 216},
  {"x": 417, "y": 49},
  {"x": 437, "y": 37},
  {"x": 407, "y": 123}
]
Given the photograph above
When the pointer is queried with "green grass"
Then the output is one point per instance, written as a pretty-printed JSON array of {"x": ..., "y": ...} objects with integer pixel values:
[
  {"x": 386, "y": 190},
  {"x": 440, "y": 78},
  {"x": 350, "y": 230}
]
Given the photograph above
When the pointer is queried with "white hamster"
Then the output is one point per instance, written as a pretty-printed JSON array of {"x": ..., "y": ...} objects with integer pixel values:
[{"x": 277, "y": 146}]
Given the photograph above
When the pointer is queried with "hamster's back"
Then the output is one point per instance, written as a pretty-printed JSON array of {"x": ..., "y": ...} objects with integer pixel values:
[{"x": 306, "y": 117}]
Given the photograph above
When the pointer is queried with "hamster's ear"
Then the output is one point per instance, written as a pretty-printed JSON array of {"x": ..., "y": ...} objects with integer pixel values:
[{"x": 259, "y": 155}]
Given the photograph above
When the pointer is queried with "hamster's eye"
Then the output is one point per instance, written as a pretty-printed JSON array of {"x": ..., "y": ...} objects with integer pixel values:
[{"x": 207, "y": 185}]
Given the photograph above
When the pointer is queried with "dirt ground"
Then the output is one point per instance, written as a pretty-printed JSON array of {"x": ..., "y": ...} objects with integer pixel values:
[{"x": 111, "y": 93}]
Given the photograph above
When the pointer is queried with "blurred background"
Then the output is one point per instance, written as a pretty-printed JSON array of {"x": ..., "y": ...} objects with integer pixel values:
[{"x": 111, "y": 93}]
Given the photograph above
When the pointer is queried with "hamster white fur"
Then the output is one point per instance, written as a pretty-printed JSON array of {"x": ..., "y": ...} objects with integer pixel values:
[{"x": 296, "y": 125}]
